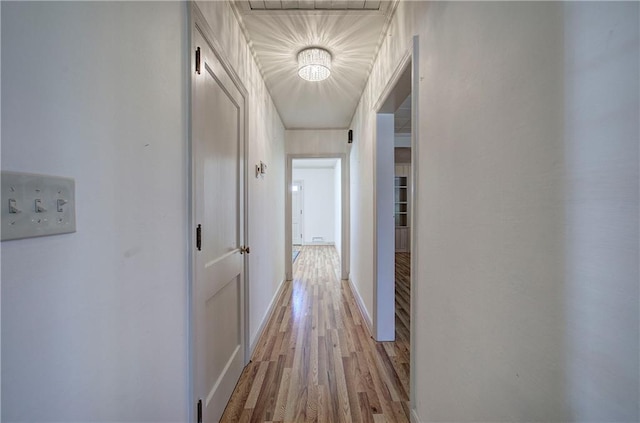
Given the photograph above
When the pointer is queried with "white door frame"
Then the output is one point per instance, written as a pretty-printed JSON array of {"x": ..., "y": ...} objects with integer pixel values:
[
  {"x": 344, "y": 224},
  {"x": 410, "y": 60},
  {"x": 198, "y": 23}
]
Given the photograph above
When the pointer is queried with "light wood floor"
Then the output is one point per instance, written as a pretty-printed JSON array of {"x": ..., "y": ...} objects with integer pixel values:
[
  {"x": 403, "y": 299},
  {"x": 316, "y": 361}
]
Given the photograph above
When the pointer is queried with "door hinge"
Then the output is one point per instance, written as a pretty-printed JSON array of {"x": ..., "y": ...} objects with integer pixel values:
[
  {"x": 199, "y": 411},
  {"x": 199, "y": 237},
  {"x": 198, "y": 60}
]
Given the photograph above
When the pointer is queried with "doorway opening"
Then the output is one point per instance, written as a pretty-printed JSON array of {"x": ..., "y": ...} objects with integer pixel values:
[
  {"x": 402, "y": 197},
  {"x": 393, "y": 199},
  {"x": 316, "y": 206},
  {"x": 395, "y": 177}
]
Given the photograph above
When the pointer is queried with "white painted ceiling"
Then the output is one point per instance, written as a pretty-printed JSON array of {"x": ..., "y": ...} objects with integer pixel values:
[{"x": 351, "y": 31}]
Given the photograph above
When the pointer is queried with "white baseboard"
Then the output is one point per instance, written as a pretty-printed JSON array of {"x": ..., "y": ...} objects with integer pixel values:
[
  {"x": 414, "y": 416},
  {"x": 267, "y": 316},
  {"x": 311, "y": 244},
  {"x": 363, "y": 309}
]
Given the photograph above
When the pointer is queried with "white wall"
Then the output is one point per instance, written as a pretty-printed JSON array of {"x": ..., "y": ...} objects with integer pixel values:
[
  {"x": 319, "y": 196},
  {"x": 337, "y": 207},
  {"x": 601, "y": 150},
  {"x": 316, "y": 141},
  {"x": 526, "y": 285},
  {"x": 94, "y": 324},
  {"x": 384, "y": 314}
]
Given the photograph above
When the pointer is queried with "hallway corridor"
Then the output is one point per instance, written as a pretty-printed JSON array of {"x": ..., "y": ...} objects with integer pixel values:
[{"x": 316, "y": 360}]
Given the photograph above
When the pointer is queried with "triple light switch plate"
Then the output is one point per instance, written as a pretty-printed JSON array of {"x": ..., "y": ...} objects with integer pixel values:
[{"x": 36, "y": 205}]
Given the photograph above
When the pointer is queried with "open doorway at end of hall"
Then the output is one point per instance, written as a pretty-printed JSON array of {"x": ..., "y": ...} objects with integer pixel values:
[{"x": 316, "y": 204}]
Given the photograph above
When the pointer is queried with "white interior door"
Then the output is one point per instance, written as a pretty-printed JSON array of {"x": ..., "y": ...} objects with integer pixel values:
[
  {"x": 218, "y": 292},
  {"x": 297, "y": 212}
]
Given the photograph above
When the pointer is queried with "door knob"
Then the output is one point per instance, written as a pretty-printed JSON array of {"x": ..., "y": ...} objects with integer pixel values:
[{"x": 245, "y": 250}]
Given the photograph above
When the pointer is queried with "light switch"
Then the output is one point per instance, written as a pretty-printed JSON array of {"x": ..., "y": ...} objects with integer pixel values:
[
  {"x": 36, "y": 205},
  {"x": 40, "y": 207},
  {"x": 13, "y": 206},
  {"x": 61, "y": 202}
]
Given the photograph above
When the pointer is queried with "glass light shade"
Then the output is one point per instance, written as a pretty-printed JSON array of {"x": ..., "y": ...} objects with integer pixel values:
[{"x": 314, "y": 64}]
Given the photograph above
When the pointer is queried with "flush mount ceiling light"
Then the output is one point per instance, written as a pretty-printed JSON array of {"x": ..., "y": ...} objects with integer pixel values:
[{"x": 314, "y": 64}]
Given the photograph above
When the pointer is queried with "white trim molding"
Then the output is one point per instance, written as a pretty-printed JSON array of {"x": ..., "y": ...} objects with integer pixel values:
[
  {"x": 361, "y": 307},
  {"x": 414, "y": 247},
  {"x": 267, "y": 316},
  {"x": 414, "y": 416}
]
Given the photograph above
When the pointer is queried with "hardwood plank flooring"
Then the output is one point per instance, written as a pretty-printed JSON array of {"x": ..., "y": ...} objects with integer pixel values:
[
  {"x": 316, "y": 361},
  {"x": 403, "y": 316}
]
